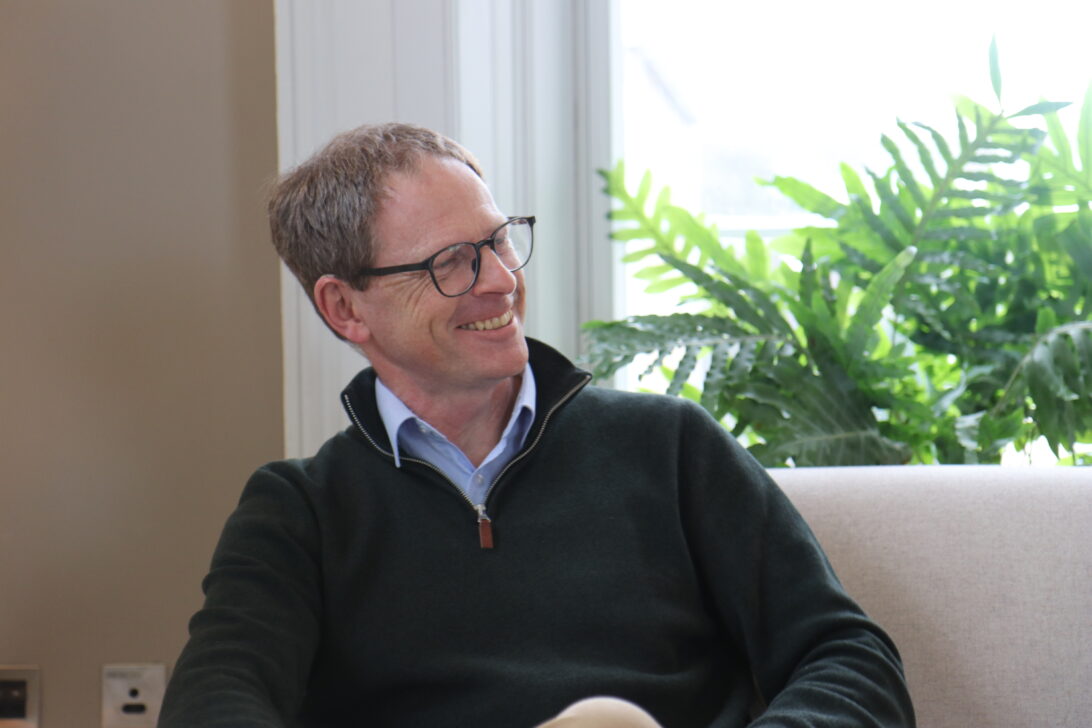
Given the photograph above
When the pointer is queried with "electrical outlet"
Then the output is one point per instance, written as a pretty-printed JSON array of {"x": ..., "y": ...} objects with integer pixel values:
[
  {"x": 19, "y": 696},
  {"x": 132, "y": 694}
]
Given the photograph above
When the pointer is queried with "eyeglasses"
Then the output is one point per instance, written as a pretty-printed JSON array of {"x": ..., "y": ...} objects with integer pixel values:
[{"x": 454, "y": 270}]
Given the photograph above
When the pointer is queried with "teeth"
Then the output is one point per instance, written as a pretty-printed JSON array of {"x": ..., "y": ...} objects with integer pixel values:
[{"x": 488, "y": 324}]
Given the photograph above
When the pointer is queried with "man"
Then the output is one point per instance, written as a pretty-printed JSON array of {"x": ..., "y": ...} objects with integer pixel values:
[{"x": 492, "y": 540}]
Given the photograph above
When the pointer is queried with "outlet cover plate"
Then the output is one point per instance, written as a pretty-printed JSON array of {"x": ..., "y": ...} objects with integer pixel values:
[
  {"x": 132, "y": 694},
  {"x": 28, "y": 676}
]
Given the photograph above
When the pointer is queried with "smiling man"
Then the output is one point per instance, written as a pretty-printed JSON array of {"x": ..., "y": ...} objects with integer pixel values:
[{"x": 492, "y": 541}]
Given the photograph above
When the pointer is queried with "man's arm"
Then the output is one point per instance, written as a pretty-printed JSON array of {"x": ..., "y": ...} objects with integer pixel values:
[
  {"x": 816, "y": 658},
  {"x": 251, "y": 645}
]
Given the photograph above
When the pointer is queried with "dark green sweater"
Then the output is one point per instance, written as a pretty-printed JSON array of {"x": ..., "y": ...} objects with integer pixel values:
[{"x": 639, "y": 552}]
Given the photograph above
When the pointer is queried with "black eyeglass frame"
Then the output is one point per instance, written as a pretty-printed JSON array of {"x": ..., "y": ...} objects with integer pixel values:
[{"x": 426, "y": 264}]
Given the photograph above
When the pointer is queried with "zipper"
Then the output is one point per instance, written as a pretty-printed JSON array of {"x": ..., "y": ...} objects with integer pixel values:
[
  {"x": 485, "y": 527},
  {"x": 484, "y": 522},
  {"x": 538, "y": 436}
]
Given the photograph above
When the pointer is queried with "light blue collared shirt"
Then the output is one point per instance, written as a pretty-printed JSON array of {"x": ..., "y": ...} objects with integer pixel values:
[{"x": 409, "y": 433}]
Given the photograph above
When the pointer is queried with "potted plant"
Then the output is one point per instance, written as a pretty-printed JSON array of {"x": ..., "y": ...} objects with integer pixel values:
[{"x": 941, "y": 313}]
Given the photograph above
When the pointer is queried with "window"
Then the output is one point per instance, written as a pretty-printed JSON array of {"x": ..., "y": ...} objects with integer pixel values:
[{"x": 716, "y": 94}]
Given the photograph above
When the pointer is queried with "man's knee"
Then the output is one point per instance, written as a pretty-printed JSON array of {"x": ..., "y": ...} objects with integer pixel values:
[{"x": 602, "y": 712}]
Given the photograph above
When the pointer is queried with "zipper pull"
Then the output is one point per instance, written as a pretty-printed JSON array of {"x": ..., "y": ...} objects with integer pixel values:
[{"x": 485, "y": 527}]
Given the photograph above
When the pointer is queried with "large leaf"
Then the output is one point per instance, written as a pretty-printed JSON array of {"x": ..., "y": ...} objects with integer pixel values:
[
  {"x": 751, "y": 307},
  {"x": 614, "y": 344},
  {"x": 807, "y": 196},
  {"x": 876, "y": 296},
  {"x": 814, "y": 426},
  {"x": 1058, "y": 371},
  {"x": 903, "y": 169},
  {"x": 925, "y": 155},
  {"x": 995, "y": 69},
  {"x": 1043, "y": 107}
]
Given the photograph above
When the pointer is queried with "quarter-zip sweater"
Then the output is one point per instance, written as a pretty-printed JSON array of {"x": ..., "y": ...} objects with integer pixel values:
[{"x": 638, "y": 551}]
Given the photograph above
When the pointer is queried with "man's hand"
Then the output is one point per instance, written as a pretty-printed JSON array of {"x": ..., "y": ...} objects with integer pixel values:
[{"x": 602, "y": 713}]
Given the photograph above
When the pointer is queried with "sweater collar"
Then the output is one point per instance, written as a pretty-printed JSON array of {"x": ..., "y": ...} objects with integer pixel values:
[
  {"x": 556, "y": 378},
  {"x": 396, "y": 416}
]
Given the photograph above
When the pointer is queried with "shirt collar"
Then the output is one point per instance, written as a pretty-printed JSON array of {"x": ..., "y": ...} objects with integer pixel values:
[{"x": 394, "y": 413}]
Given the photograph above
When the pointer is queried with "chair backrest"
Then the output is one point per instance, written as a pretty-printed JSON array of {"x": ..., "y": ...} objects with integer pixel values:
[{"x": 981, "y": 574}]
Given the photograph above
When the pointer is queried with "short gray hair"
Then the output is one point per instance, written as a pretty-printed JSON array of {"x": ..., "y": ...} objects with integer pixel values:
[{"x": 322, "y": 213}]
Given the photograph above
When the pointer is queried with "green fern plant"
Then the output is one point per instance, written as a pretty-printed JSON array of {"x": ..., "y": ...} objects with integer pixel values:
[{"x": 941, "y": 315}]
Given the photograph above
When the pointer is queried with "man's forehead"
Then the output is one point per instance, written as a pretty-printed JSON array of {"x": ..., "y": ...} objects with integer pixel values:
[
  {"x": 441, "y": 236},
  {"x": 426, "y": 211}
]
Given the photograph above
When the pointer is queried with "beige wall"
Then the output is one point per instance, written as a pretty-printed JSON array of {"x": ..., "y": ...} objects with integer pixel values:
[{"x": 140, "y": 374}]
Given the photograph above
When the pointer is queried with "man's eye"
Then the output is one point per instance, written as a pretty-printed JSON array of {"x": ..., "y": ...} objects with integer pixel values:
[{"x": 452, "y": 259}]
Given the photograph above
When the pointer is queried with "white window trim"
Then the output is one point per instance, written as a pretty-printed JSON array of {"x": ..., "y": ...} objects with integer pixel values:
[{"x": 525, "y": 84}]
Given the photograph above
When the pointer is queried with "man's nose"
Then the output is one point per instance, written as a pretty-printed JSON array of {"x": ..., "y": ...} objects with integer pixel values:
[{"x": 493, "y": 275}]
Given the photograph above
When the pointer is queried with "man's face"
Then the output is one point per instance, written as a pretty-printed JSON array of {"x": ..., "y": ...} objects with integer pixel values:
[{"x": 419, "y": 341}]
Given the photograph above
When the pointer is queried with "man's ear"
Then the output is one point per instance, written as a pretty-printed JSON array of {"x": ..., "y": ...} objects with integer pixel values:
[{"x": 339, "y": 304}]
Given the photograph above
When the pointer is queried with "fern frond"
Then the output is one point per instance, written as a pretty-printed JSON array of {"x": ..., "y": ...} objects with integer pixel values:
[
  {"x": 1056, "y": 372},
  {"x": 903, "y": 170},
  {"x": 925, "y": 156},
  {"x": 750, "y": 305},
  {"x": 811, "y": 426},
  {"x": 876, "y": 296},
  {"x": 614, "y": 344}
]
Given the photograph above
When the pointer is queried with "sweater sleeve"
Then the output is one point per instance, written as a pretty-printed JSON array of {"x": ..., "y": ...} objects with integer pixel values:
[
  {"x": 816, "y": 658},
  {"x": 251, "y": 645}
]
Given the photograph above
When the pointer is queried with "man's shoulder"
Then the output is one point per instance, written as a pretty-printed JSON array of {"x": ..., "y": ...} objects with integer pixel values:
[
  {"x": 601, "y": 395},
  {"x": 340, "y": 452},
  {"x": 637, "y": 409}
]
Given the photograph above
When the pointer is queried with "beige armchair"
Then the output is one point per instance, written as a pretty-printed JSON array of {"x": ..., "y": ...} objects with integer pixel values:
[{"x": 981, "y": 574}]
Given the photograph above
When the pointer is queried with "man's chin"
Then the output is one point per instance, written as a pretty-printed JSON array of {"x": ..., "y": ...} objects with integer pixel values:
[
  {"x": 497, "y": 350},
  {"x": 508, "y": 360}
]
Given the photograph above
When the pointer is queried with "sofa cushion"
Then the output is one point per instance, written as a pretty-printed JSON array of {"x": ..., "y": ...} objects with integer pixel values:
[{"x": 981, "y": 574}]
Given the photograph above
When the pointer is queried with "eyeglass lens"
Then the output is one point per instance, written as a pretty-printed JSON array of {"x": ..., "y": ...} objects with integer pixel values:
[{"x": 455, "y": 269}]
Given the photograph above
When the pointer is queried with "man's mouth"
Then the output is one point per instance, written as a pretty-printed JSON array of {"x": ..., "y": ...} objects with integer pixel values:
[{"x": 489, "y": 324}]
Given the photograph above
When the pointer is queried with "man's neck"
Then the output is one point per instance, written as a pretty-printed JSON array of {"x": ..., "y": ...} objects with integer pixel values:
[{"x": 472, "y": 420}]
